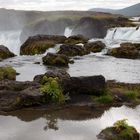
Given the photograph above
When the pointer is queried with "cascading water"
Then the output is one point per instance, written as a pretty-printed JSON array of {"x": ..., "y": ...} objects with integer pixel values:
[
  {"x": 68, "y": 31},
  {"x": 124, "y": 34},
  {"x": 11, "y": 39}
]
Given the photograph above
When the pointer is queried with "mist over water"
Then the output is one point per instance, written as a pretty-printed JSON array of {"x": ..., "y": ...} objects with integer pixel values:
[{"x": 11, "y": 39}]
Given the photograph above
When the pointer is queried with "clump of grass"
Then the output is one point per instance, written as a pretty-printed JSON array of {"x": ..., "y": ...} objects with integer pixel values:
[
  {"x": 105, "y": 99},
  {"x": 52, "y": 90},
  {"x": 131, "y": 95}
]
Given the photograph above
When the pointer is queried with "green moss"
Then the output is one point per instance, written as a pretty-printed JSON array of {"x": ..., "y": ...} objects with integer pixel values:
[
  {"x": 36, "y": 48},
  {"x": 7, "y": 73},
  {"x": 52, "y": 90}
]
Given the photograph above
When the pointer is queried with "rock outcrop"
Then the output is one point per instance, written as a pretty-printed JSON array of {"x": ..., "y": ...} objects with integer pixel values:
[
  {"x": 95, "y": 47},
  {"x": 73, "y": 50},
  {"x": 40, "y": 43},
  {"x": 5, "y": 52},
  {"x": 126, "y": 50},
  {"x": 56, "y": 60}
]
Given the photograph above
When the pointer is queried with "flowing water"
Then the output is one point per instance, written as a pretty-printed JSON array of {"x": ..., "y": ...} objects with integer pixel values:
[
  {"x": 75, "y": 123},
  {"x": 68, "y": 32}
]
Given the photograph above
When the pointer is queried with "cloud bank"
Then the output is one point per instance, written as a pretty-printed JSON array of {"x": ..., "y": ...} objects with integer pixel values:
[{"x": 47, "y": 5}]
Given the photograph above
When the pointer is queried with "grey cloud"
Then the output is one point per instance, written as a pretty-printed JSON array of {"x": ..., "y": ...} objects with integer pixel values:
[{"x": 65, "y": 4}]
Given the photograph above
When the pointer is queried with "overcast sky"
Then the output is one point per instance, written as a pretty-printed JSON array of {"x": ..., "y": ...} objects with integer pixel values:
[{"x": 47, "y": 5}]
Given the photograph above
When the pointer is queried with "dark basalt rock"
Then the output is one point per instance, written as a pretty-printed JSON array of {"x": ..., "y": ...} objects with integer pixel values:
[
  {"x": 76, "y": 39},
  {"x": 5, "y": 52},
  {"x": 126, "y": 50},
  {"x": 16, "y": 95},
  {"x": 72, "y": 50},
  {"x": 40, "y": 43},
  {"x": 56, "y": 59},
  {"x": 97, "y": 46},
  {"x": 94, "y": 85}
]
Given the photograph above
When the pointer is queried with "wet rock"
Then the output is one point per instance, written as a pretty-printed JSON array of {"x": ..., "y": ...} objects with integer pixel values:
[
  {"x": 7, "y": 73},
  {"x": 61, "y": 74},
  {"x": 5, "y": 52},
  {"x": 94, "y": 85},
  {"x": 72, "y": 50},
  {"x": 76, "y": 39},
  {"x": 16, "y": 95},
  {"x": 120, "y": 131},
  {"x": 40, "y": 43},
  {"x": 126, "y": 50},
  {"x": 56, "y": 59},
  {"x": 94, "y": 47}
]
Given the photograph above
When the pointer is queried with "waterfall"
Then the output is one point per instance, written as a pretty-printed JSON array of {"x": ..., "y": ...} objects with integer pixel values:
[
  {"x": 53, "y": 50},
  {"x": 68, "y": 31},
  {"x": 11, "y": 39},
  {"x": 124, "y": 34}
]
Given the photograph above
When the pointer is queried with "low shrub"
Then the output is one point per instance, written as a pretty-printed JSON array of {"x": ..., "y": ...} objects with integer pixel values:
[{"x": 52, "y": 90}]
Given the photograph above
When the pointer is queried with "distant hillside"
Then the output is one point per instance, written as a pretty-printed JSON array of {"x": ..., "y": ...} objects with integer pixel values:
[
  {"x": 17, "y": 19},
  {"x": 133, "y": 10}
]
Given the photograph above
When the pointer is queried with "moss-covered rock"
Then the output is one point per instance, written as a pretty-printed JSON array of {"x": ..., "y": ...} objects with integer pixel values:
[
  {"x": 5, "y": 52},
  {"x": 40, "y": 43},
  {"x": 126, "y": 50},
  {"x": 7, "y": 73},
  {"x": 120, "y": 131},
  {"x": 73, "y": 50},
  {"x": 76, "y": 39},
  {"x": 94, "y": 47},
  {"x": 56, "y": 59}
]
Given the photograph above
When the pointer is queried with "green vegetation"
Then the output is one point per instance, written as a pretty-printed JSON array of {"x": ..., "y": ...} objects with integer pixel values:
[
  {"x": 52, "y": 90},
  {"x": 119, "y": 131},
  {"x": 7, "y": 73},
  {"x": 105, "y": 99},
  {"x": 125, "y": 131},
  {"x": 131, "y": 95}
]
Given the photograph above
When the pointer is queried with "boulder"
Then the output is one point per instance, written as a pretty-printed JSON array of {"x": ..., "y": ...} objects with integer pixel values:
[
  {"x": 72, "y": 50},
  {"x": 16, "y": 95},
  {"x": 5, "y": 52},
  {"x": 7, "y": 73},
  {"x": 91, "y": 85},
  {"x": 120, "y": 131},
  {"x": 40, "y": 43},
  {"x": 94, "y": 47},
  {"x": 76, "y": 39},
  {"x": 56, "y": 59},
  {"x": 126, "y": 50}
]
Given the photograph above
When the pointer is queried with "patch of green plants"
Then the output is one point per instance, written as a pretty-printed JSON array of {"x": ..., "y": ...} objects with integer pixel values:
[
  {"x": 105, "y": 99},
  {"x": 131, "y": 95},
  {"x": 125, "y": 131},
  {"x": 52, "y": 90}
]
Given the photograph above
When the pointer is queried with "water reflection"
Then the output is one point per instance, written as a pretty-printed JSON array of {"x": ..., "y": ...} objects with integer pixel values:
[{"x": 80, "y": 123}]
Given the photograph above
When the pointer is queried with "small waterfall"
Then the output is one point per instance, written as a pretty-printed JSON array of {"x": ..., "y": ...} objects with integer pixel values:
[
  {"x": 53, "y": 50},
  {"x": 124, "y": 34},
  {"x": 11, "y": 39},
  {"x": 68, "y": 31}
]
